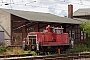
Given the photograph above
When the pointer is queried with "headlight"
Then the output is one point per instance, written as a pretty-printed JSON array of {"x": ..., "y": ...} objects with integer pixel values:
[{"x": 33, "y": 47}]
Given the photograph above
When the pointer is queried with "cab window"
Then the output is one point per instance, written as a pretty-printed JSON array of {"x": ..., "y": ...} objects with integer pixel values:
[{"x": 58, "y": 31}]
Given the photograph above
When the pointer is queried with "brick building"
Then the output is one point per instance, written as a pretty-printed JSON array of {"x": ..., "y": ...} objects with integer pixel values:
[{"x": 16, "y": 24}]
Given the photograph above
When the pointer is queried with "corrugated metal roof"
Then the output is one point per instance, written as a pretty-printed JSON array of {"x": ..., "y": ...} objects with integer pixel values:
[
  {"x": 81, "y": 19},
  {"x": 43, "y": 17},
  {"x": 82, "y": 12}
]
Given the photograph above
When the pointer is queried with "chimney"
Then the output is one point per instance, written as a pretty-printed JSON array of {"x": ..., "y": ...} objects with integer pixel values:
[{"x": 70, "y": 11}]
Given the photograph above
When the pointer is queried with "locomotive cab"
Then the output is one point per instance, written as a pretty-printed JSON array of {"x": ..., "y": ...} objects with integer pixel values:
[{"x": 58, "y": 30}]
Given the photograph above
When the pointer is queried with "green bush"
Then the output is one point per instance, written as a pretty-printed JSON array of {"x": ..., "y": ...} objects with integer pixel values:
[
  {"x": 87, "y": 42},
  {"x": 81, "y": 47},
  {"x": 2, "y": 49},
  {"x": 78, "y": 48}
]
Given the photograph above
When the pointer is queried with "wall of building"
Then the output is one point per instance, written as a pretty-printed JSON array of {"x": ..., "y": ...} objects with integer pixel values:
[
  {"x": 38, "y": 27},
  {"x": 18, "y": 32},
  {"x": 5, "y": 25},
  {"x": 74, "y": 31}
]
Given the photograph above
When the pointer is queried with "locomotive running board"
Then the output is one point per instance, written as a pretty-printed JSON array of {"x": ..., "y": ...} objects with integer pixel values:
[{"x": 57, "y": 45}]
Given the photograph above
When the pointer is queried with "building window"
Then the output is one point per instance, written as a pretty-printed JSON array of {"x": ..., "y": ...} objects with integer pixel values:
[
  {"x": 30, "y": 29},
  {"x": 83, "y": 35},
  {"x": 72, "y": 34}
]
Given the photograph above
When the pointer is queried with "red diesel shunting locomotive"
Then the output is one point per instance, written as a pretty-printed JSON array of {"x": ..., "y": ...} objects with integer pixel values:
[{"x": 49, "y": 40}]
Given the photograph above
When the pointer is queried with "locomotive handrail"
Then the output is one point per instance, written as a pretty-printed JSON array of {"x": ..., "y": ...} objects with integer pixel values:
[
  {"x": 46, "y": 39},
  {"x": 42, "y": 39}
]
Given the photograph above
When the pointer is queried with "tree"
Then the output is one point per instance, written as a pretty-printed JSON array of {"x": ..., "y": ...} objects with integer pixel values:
[{"x": 85, "y": 26}]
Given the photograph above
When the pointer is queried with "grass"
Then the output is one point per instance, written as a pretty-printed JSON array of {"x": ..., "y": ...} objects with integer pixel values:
[
  {"x": 82, "y": 46},
  {"x": 78, "y": 48},
  {"x": 14, "y": 51},
  {"x": 33, "y": 53},
  {"x": 27, "y": 52}
]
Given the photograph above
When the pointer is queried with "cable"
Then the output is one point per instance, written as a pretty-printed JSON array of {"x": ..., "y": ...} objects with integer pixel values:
[
  {"x": 2, "y": 1},
  {"x": 10, "y": 5},
  {"x": 12, "y": 1},
  {"x": 28, "y": 4},
  {"x": 31, "y": 6},
  {"x": 81, "y": 2},
  {"x": 22, "y": 0}
]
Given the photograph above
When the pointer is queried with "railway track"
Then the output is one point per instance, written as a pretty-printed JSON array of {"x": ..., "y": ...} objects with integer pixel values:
[
  {"x": 84, "y": 56},
  {"x": 19, "y": 55}
]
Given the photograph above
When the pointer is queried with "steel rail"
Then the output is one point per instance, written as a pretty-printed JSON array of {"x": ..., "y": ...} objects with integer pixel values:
[{"x": 51, "y": 57}]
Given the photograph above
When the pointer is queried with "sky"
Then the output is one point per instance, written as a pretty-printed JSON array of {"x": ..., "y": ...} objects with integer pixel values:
[{"x": 56, "y": 7}]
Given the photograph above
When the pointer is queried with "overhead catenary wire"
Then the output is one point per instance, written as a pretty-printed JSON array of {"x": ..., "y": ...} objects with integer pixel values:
[
  {"x": 32, "y": 6},
  {"x": 81, "y": 2},
  {"x": 12, "y": 2},
  {"x": 28, "y": 4},
  {"x": 2, "y": 1},
  {"x": 24, "y": 3},
  {"x": 10, "y": 5}
]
